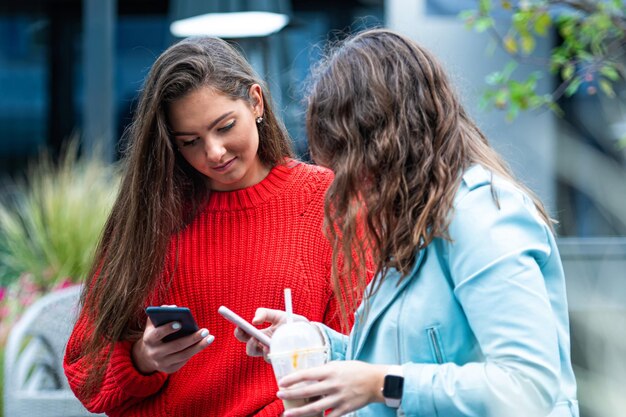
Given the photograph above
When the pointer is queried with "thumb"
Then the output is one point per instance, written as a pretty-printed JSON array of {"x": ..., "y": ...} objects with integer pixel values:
[{"x": 267, "y": 315}]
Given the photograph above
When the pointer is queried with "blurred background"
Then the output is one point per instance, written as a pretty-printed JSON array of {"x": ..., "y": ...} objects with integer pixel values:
[{"x": 71, "y": 70}]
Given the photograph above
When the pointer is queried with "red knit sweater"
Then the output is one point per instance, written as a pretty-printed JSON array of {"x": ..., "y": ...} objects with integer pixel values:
[{"x": 241, "y": 252}]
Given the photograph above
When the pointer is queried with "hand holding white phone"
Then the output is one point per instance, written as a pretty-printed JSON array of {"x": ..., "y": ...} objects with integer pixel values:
[{"x": 244, "y": 325}]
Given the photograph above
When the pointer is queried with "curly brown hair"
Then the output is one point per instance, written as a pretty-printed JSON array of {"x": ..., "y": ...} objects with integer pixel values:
[{"x": 384, "y": 117}]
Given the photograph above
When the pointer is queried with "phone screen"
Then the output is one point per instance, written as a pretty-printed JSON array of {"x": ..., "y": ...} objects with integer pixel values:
[{"x": 163, "y": 315}]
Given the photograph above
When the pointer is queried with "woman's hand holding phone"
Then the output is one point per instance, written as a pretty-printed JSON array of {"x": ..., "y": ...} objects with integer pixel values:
[
  {"x": 276, "y": 318},
  {"x": 151, "y": 353}
]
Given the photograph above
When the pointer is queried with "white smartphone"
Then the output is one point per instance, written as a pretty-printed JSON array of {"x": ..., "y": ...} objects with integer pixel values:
[{"x": 244, "y": 325}]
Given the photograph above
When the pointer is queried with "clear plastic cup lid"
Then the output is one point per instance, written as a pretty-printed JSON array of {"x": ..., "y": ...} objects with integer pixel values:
[{"x": 298, "y": 335}]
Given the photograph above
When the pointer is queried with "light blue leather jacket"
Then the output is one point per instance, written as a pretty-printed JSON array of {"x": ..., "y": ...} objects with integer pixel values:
[{"x": 480, "y": 325}]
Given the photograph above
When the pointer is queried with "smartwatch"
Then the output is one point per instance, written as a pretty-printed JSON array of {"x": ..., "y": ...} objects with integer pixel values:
[{"x": 392, "y": 387}]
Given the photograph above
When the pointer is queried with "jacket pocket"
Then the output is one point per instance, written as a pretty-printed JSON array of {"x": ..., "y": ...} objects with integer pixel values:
[{"x": 434, "y": 339}]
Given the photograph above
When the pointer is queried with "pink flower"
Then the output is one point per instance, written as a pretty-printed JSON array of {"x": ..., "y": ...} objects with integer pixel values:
[
  {"x": 27, "y": 284},
  {"x": 66, "y": 282},
  {"x": 3, "y": 293},
  {"x": 4, "y": 311},
  {"x": 27, "y": 300}
]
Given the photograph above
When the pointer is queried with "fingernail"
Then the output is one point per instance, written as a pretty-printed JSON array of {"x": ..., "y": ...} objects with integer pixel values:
[
  {"x": 280, "y": 394},
  {"x": 176, "y": 325},
  {"x": 204, "y": 333},
  {"x": 210, "y": 339}
]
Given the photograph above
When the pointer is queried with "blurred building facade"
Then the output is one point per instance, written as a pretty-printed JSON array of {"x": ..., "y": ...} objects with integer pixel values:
[{"x": 74, "y": 68}]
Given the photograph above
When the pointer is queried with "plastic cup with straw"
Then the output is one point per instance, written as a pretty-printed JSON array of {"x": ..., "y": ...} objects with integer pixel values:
[{"x": 295, "y": 345}]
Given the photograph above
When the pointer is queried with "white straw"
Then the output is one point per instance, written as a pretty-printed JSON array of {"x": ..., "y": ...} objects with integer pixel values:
[{"x": 288, "y": 306}]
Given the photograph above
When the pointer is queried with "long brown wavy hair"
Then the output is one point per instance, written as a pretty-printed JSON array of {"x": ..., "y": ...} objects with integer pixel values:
[
  {"x": 160, "y": 192},
  {"x": 383, "y": 115}
]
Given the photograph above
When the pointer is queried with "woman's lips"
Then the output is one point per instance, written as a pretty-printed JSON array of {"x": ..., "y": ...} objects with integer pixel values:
[{"x": 224, "y": 167}]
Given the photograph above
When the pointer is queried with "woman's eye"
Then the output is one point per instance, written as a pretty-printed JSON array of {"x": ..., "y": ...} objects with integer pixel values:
[
  {"x": 190, "y": 142},
  {"x": 227, "y": 127}
]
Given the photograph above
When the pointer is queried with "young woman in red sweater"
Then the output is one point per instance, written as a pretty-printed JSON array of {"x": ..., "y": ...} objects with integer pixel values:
[{"x": 213, "y": 210}]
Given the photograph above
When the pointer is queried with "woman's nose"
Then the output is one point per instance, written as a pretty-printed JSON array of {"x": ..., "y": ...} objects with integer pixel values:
[{"x": 214, "y": 150}]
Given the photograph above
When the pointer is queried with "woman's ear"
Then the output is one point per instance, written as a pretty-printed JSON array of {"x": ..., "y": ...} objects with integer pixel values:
[{"x": 256, "y": 99}]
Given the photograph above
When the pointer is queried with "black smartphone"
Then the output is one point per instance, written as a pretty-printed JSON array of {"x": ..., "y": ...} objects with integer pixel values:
[{"x": 163, "y": 315}]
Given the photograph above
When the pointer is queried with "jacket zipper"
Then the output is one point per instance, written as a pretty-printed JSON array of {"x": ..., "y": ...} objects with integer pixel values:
[
  {"x": 399, "y": 350},
  {"x": 432, "y": 334}
]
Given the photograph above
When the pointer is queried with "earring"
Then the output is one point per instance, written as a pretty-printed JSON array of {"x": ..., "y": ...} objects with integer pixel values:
[{"x": 259, "y": 119}]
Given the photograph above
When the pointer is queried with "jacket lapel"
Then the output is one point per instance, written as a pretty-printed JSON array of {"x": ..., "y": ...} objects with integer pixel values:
[{"x": 386, "y": 295}]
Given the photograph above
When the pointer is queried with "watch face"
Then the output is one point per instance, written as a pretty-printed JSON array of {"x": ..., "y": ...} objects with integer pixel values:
[{"x": 392, "y": 387}]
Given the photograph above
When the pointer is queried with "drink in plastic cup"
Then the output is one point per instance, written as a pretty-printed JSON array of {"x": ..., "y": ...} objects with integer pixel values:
[
  {"x": 296, "y": 346},
  {"x": 287, "y": 362}
]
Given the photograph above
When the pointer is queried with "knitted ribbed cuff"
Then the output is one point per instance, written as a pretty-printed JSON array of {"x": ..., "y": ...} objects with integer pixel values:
[
  {"x": 130, "y": 380},
  {"x": 273, "y": 409}
]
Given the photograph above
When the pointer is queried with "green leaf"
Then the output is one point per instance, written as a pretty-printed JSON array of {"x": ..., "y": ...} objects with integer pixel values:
[
  {"x": 609, "y": 72},
  {"x": 528, "y": 43},
  {"x": 573, "y": 86},
  {"x": 466, "y": 14},
  {"x": 555, "y": 107},
  {"x": 585, "y": 56},
  {"x": 484, "y": 6},
  {"x": 542, "y": 23},
  {"x": 494, "y": 79},
  {"x": 510, "y": 44},
  {"x": 607, "y": 88},
  {"x": 501, "y": 98},
  {"x": 559, "y": 56},
  {"x": 567, "y": 71},
  {"x": 521, "y": 21},
  {"x": 509, "y": 68},
  {"x": 534, "y": 102},
  {"x": 469, "y": 17},
  {"x": 521, "y": 93},
  {"x": 483, "y": 23},
  {"x": 601, "y": 22},
  {"x": 485, "y": 101},
  {"x": 512, "y": 113},
  {"x": 532, "y": 78},
  {"x": 566, "y": 28},
  {"x": 497, "y": 78}
]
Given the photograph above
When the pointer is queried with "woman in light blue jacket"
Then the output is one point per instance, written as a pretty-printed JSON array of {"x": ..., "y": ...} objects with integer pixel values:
[{"x": 467, "y": 313}]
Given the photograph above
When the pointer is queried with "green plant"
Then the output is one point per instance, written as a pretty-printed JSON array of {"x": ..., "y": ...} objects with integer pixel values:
[
  {"x": 50, "y": 224},
  {"x": 593, "y": 33}
]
